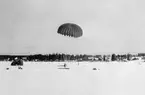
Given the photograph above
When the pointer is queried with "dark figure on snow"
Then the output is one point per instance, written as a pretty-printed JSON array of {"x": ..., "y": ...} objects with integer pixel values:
[
  {"x": 17, "y": 62},
  {"x": 64, "y": 65}
]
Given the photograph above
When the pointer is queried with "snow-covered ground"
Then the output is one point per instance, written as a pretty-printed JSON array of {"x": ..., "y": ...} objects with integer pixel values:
[{"x": 109, "y": 78}]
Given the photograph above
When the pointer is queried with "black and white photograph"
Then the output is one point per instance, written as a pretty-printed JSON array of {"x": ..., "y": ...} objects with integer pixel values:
[{"x": 72, "y": 47}]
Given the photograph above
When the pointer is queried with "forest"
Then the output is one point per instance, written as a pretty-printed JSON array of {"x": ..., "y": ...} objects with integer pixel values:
[{"x": 71, "y": 57}]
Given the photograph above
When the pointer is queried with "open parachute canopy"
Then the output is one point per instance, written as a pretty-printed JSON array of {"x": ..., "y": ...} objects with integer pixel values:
[
  {"x": 70, "y": 29},
  {"x": 17, "y": 62}
]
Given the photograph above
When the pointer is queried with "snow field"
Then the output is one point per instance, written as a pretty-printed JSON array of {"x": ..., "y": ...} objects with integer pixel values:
[{"x": 44, "y": 78}]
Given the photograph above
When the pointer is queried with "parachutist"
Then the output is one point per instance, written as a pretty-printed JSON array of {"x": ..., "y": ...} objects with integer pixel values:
[
  {"x": 20, "y": 68},
  {"x": 7, "y": 68},
  {"x": 64, "y": 65}
]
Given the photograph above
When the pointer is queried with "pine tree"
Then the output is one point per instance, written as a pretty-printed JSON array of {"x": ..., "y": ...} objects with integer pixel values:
[{"x": 113, "y": 58}]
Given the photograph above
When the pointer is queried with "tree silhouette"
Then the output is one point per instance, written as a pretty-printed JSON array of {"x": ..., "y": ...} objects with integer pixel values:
[{"x": 113, "y": 57}]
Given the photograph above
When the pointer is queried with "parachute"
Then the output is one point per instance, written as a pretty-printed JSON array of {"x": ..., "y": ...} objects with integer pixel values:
[
  {"x": 17, "y": 62},
  {"x": 70, "y": 29}
]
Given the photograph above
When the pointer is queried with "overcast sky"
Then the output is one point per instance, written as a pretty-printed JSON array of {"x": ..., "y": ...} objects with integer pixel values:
[{"x": 30, "y": 26}]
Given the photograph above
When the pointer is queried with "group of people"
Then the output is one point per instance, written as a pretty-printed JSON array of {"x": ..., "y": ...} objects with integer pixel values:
[{"x": 17, "y": 62}]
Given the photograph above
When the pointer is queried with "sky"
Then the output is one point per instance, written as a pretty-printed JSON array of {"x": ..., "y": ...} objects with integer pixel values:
[{"x": 109, "y": 26}]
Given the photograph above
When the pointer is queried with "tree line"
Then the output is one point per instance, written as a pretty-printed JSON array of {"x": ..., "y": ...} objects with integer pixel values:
[{"x": 72, "y": 57}]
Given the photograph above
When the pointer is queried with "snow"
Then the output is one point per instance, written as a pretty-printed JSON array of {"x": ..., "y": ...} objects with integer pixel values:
[{"x": 44, "y": 78}]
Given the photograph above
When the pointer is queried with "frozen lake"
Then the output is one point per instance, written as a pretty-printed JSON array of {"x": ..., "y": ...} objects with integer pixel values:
[{"x": 109, "y": 78}]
